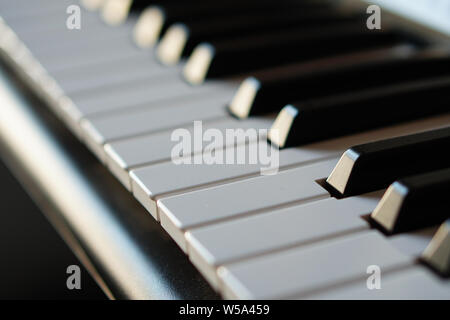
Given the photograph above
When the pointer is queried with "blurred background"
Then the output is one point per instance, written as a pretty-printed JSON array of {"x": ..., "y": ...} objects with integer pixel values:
[{"x": 34, "y": 258}]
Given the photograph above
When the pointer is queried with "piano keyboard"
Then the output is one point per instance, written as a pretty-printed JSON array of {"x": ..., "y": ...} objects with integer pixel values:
[{"x": 364, "y": 120}]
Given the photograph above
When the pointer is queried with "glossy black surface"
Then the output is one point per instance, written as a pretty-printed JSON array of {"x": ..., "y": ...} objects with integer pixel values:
[
  {"x": 134, "y": 257},
  {"x": 256, "y": 52},
  {"x": 425, "y": 203},
  {"x": 34, "y": 257},
  {"x": 380, "y": 163},
  {"x": 357, "y": 111},
  {"x": 260, "y": 22},
  {"x": 341, "y": 75}
]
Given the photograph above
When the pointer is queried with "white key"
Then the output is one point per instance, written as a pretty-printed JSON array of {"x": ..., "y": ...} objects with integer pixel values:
[
  {"x": 212, "y": 246},
  {"x": 89, "y": 55},
  {"x": 142, "y": 94},
  {"x": 159, "y": 115},
  {"x": 153, "y": 182},
  {"x": 92, "y": 39},
  {"x": 413, "y": 243},
  {"x": 290, "y": 187},
  {"x": 145, "y": 150},
  {"x": 163, "y": 179},
  {"x": 18, "y": 9},
  {"x": 59, "y": 40},
  {"x": 168, "y": 114},
  {"x": 415, "y": 283},
  {"x": 70, "y": 61},
  {"x": 306, "y": 270},
  {"x": 52, "y": 22},
  {"x": 124, "y": 155},
  {"x": 110, "y": 74}
]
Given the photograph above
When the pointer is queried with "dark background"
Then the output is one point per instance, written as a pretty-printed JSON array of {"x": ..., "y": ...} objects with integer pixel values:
[{"x": 33, "y": 256}]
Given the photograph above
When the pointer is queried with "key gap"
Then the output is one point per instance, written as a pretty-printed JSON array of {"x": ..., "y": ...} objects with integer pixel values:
[
  {"x": 228, "y": 180},
  {"x": 340, "y": 283},
  {"x": 375, "y": 226},
  {"x": 256, "y": 212},
  {"x": 294, "y": 245},
  {"x": 333, "y": 192},
  {"x": 434, "y": 270}
]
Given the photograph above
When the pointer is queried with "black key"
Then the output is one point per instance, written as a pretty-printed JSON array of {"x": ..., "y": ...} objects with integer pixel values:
[
  {"x": 181, "y": 38},
  {"x": 91, "y": 5},
  {"x": 246, "y": 54},
  {"x": 158, "y": 18},
  {"x": 437, "y": 254},
  {"x": 137, "y": 6},
  {"x": 374, "y": 166},
  {"x": 415, "y": 202},
  {"x": 338, "y": 115},
  {"x": 268, "y": 91},
  {"x": 116, "y": 12}
]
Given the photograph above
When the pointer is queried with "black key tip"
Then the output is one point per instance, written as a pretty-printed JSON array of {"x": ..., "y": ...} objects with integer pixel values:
[
  {"x": 280, "y": 130},
  {"x": 198, "y": 64},
  {"x": 148, "y": 28},
  {"x": 92, "y": 5},
  {"x": 387, "y": 212},
  {"x": 437, "y": 253},
  {"x": 340, "y": 176},
  {"x": 115, "y": 12},
  {"x": 172, "y": 44},
  {"x": 242, "y": 102}
]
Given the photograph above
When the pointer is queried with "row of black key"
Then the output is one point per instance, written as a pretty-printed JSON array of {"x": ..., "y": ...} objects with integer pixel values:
[{"x": 215, "y": 29}]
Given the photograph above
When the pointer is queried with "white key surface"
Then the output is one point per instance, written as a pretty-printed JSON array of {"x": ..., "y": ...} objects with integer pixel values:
[
  {"x": 415, "y": 283},
  {"x": 110, "y": 74},
  {"x": 214, "y": 204},
  {"x": 123, "y": 155},
  {"x": 306, "y": 270},
  {"x": 215, "y": 245},
  {"x": 414, "y": 242},
  {"x": 141, "y": 94},
  {"x": 156, "y": 116}
]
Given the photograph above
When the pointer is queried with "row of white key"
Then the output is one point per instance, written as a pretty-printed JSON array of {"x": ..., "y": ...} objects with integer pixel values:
[{"x": 210, "y": 247}]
